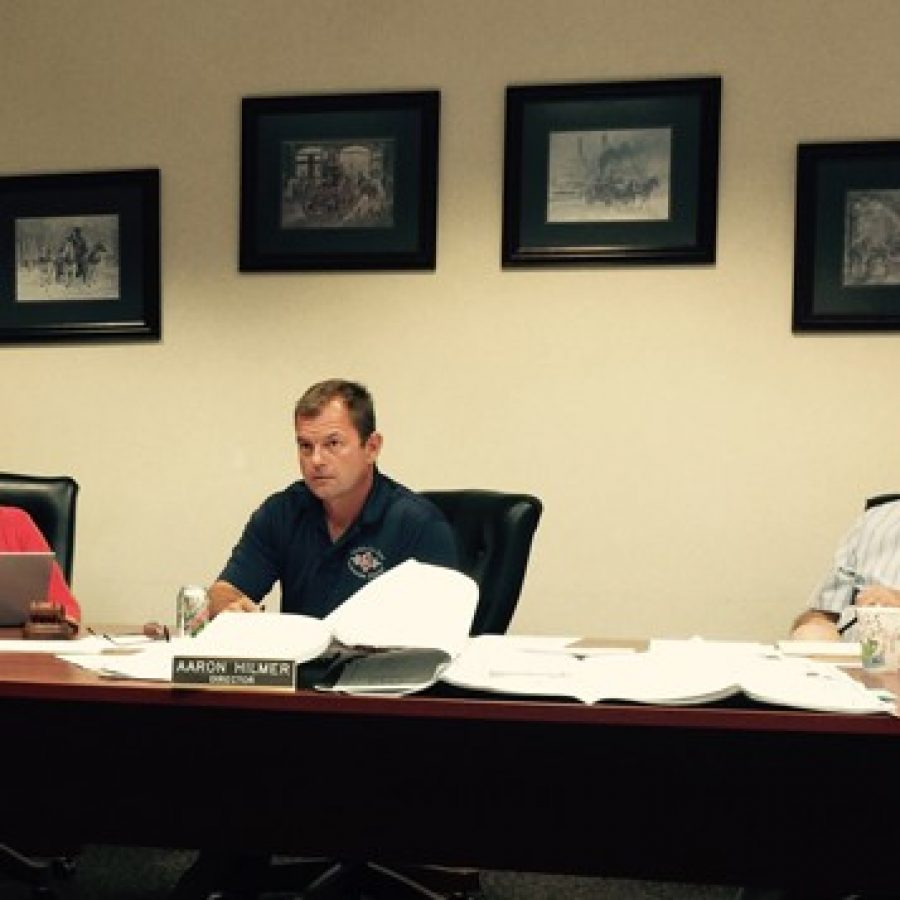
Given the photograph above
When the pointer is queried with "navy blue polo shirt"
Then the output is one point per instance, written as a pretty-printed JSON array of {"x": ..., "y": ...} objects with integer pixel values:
[{"x": 287, "y": 540}]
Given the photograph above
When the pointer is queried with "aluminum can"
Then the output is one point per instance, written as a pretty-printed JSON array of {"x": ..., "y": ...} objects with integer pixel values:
[{"x": 191, "y": 610}]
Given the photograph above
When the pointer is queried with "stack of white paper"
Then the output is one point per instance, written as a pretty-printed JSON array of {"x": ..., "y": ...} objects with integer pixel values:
[
  {"x": 414, "y": 605},
  {"x": 670, "y": 673},
  {"x": 230, "y": 634}
]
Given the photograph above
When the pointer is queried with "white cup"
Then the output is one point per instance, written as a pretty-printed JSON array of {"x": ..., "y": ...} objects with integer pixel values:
[{"x": 878, "y": 628}]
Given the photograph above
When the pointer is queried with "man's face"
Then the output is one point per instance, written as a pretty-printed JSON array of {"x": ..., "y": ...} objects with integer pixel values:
[{"x": 334, "y": 462}]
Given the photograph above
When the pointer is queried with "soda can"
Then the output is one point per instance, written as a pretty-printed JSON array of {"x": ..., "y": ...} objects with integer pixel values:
[{"x": 191, "y": 610}]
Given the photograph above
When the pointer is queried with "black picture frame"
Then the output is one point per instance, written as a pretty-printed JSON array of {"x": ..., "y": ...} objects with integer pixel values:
[
  {"x": 80, "y": 257},
  {"x": 611, "y": 173},
  {"x": 339, "y": 181},
  {"x": 847, "y": 237}
]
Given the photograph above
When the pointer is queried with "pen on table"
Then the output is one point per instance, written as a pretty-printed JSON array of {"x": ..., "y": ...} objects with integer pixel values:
[
  {"x": 104, "y": 635},
  {"x": 116, "y": 648},
  {"x": 858, "y": 582}
]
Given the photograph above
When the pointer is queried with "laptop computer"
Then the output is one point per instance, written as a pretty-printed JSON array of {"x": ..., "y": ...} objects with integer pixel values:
[{"x": 24, "y": 578}]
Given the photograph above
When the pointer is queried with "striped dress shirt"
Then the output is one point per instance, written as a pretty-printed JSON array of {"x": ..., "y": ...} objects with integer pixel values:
[{"x": 869, "y": 554}]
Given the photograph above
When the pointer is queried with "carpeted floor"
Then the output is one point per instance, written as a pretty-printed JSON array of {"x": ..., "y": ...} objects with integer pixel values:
[
  {"x": 517, "y": 886},
  {"x": 135, "y": 873}
]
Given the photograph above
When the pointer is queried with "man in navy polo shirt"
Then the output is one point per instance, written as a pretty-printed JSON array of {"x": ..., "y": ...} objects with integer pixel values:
[{"x": 324, "y": 537}]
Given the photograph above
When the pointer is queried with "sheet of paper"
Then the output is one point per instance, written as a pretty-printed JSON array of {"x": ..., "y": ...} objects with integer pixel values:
[
  {"x": 492, "y": 663},
  {"x": 262, "y": 635},
  {"x": 809, "y": 684},
  {"x": 127, "y": 640},
  {"x": 673, "y": 679},
  {"x": 88, "y": 644},
  {"x": 674, "y": 673},
  {"x": 245, "y": 635},
  {"x": 554, "y": 644},
  {"x": 848, "y": 649},
  {"x": 150, "y": 663},
  {"x": 412, "y": 605},
  {"x": 696, "y": 646}
]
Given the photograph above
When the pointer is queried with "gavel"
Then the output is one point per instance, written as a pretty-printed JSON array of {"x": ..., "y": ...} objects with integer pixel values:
[{"x": 48, "y": 622}]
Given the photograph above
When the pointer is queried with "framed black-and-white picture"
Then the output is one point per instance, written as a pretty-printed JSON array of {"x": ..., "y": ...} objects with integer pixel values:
[
  {"x": 339, "y": 181},
  {"x": 79, "y": 257},
  {"x": 611, "y": 173},
  {"x": 847, "y": 237}
]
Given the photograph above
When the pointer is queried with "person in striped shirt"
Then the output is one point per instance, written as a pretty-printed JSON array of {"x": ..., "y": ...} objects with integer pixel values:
[{"x": 865, "y": 572}]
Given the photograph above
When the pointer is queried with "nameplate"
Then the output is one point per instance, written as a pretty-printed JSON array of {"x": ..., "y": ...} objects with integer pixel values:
[{"x": 227, "y": 671}]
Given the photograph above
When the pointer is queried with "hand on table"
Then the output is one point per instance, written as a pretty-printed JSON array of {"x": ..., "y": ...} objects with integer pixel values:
[
  {"x": 877, "y": 595},
  {"x": 241, "y": 604},
  {"x": 225, "y": 597},
  {"x": 816, "y": 628}
]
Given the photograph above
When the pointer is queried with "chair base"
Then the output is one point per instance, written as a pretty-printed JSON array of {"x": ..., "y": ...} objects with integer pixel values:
[
  {"x": 345, "y": 880},
  {"x": 40, "y": 873}
]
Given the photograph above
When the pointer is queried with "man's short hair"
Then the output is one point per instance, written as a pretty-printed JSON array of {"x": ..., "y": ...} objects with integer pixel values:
[{"x": 355, "y": 396}]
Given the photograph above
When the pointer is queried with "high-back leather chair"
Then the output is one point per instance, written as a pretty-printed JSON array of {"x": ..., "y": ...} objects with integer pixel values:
[
  {"x": 494, "y": 533},
  {"x": 50, "y": 501}
]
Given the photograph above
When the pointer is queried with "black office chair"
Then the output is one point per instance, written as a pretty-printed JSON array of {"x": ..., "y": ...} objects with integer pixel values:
[
  {"x": 494, "y": 532},
  {"x": 493, "y": 537},
  {"x": 50, "y": 501}
]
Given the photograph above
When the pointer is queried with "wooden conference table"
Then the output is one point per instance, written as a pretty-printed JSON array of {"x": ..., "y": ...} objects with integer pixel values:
[{"x": 716, "y": 794}]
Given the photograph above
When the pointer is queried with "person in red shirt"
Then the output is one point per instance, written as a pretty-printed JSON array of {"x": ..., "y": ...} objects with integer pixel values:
[{"x": 18, "y": 532}]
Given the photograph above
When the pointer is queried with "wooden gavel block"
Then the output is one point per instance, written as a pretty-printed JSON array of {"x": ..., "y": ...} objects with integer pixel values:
[{"x": 47, "y": 622}]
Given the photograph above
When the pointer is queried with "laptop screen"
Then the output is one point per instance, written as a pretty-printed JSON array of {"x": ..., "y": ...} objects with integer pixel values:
[{"x": 24, "y": 579}]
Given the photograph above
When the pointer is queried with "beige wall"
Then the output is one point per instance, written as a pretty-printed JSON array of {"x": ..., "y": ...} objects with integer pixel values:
[{"x": 697, "y": 461}]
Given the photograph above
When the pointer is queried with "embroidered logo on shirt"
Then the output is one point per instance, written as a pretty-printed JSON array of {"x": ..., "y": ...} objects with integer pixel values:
[{"x": 366, "y": 562}]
